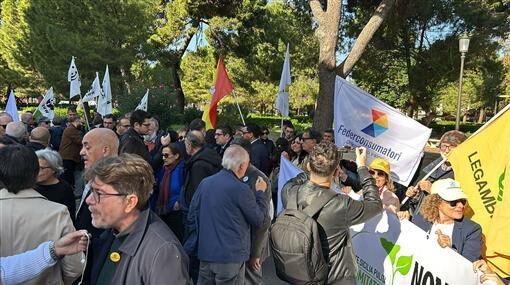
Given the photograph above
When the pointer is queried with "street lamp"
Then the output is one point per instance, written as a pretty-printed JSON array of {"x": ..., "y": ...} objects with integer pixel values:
[{"x": 463, "y": 49}]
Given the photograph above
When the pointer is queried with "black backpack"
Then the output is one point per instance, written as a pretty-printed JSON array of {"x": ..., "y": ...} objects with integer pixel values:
[{"x": 295, "y": 242}]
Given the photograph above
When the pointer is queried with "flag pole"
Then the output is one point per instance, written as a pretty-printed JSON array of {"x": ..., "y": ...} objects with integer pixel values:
[
  {"x": 86, "y": 117},
  {"x": 425, "y": 178},
  {"x": 238, "y": 108},
  {"x": 281, "y": 127}
]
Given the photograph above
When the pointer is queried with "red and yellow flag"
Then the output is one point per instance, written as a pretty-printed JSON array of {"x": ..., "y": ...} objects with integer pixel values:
[
  {"x": 222, "y": 87},
  {"x": 482, "y": 166}
]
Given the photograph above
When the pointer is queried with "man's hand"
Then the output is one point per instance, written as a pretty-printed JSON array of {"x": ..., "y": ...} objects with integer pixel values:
[
  {"x": 425, "y": 185},
  {"x": 346, "y": 190},
  {"x": 260, "y": 185},
  {"x": 443, "y": 240},
  {"x": 255, "y": 263},
  {"x": 177, "y": 206},
  {"x": 71, "y": 243},
  {"x": 412, "y": 192},
  {"x": 361, "y": 156}
]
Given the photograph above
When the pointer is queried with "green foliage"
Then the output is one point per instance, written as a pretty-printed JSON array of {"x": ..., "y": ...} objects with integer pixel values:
[{"x": 441, "y": 127}]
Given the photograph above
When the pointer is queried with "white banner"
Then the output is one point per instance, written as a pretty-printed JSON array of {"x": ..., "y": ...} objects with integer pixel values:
[
  {"x": 74, "y": 79},
  {"x": 104, "y": 103},
  {"x": 144, "y": 102},
  {"x": 47, "y": 105},
  {"x": 94, "y": 91},
  {"x": 282, "y": 100},
  {"x": 363, "y": 120},
  {"x": 389, "y": 251},
  {"x": 287, "y": 172}
]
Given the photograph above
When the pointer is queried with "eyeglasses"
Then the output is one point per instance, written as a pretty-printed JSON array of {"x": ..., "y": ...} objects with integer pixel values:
[
  {"x": 377, "y": 172},
  {"x": 265, "y": 133},
  {"x": 296, "y": 142},
  {"x": 453, "y": 204},
  {"x": 445, "y": 147},
  {"x": 304, "y": 139},
  {"x": 245, "y": 132},
  {"x": 97, "y": 195},
  {"x": 166, "y": 155},
  {"x": 44, "y": 167},
  {"x": 146, "y": 124},
  {"x": 218, "y": 134}
]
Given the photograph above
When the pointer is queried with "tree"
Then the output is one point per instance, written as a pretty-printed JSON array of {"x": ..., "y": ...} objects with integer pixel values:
[
  {"x": 39, "y": 38},
  {"x": 328, "y": 16}
]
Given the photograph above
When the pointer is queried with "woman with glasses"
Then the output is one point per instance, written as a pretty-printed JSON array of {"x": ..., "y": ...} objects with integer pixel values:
[
  {"x": 169, "y": 181},
  {"x": 48, "y": 183},
  {"x": 442, "y": 217},
  {"x": 380, "y": 171}
]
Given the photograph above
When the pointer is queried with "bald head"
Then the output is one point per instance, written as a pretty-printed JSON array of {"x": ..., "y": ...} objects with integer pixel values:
[
  {"x": 40, "y": 135},
  {"x": 16, "y": 130},
  {"x": 99, "y": 143}
]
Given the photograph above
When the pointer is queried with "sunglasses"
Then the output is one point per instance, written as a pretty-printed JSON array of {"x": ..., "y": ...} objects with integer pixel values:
[
  {"x": 265, "y": 133},
  {"x": 376, "y": 172},
  {"x": 166, "y": 155},
  {"x": 453, "y": 204}
]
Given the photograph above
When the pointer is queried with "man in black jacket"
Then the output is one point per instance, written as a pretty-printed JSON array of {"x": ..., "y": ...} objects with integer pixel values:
[
  {"x": 259, "y": 155},
  {"x": 339, "y": 213}
]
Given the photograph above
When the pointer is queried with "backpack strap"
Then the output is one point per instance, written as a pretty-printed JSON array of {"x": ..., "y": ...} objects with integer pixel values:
[
  {"x": 293, "y": 198},
  {"x": 319, "y": 202}
]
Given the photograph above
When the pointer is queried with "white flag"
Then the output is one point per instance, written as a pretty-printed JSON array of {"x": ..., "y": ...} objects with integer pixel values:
[
  {"x": 94, "y": 91},
  {"x": 282, "y": 101},
  {"x": 47, "y": 105},
  {"x": 104, "y": 104},
  {"x": 11, "y": 107},
  {"x": 287, "y": 172},
  {"x": 143, "y": 102},
  {"x": 363, "y": 120},
  {"x": 74, "y": 80}
]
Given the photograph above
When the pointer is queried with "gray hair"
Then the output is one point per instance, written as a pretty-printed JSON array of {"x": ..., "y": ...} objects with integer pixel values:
[
  {"x": 16, "y": 129},
  {"x": 234, "y": 156},
  {"x": 195, "y": 139},
  {"x": 53, "y": 159}
]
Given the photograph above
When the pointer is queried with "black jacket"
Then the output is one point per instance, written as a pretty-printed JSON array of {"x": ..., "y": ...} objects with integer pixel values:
[
  {"x": 335, "y": 219},
  {"x": 202, "y": 164},
  {"x": 259, "y": 156}
]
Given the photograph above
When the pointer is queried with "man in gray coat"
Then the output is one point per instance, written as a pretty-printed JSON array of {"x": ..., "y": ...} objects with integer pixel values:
[{"x": 137, "y": 247}]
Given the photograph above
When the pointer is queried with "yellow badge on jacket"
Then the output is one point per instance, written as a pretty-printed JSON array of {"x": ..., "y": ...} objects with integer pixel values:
[{"x": 115, "y": 257}]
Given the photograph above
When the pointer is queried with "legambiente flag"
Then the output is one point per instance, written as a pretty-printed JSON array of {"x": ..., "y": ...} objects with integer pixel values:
[
  {"x": 482, "y": 166},
  {"x": 74, "y": 79},
  {"x": 363, "y": 120},
  {"x": 47, "y": 105}
]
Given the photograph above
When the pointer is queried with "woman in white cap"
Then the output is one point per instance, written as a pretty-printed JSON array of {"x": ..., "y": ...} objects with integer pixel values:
[{"x": 442, "y": 216}]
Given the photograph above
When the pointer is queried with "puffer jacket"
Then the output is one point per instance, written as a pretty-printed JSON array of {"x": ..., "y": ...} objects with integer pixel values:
[{"x": 335, "y": 219}]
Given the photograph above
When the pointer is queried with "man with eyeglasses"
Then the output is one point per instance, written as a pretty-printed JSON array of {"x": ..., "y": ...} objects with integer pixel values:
[
  {"x": 137, "y": 245},
  {"x": 223, "y": 137},
  {"x": 442, "y": 216},
  {"x": 449, "y": 141}
]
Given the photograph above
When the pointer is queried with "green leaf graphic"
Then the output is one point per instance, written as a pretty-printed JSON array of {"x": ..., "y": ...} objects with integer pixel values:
[
  {"x": 390, "y": 248},
  {"x": 500, "y": 184},
  {"x": 404, "y": 264}
]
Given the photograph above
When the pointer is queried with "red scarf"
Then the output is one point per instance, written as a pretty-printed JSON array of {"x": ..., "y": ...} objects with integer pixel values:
[{"x": 162, "y": 206}]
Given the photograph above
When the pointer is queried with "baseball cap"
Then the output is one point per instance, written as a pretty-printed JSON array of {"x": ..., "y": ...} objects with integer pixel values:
[
  {"x": 380, "y": 164},
  {"x": 448, "y": 189}
]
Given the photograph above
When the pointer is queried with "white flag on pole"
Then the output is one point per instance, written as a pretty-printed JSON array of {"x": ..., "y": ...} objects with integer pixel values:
[
  {"x": 282, "y": 100},
  {"x": 363, "y": 120},
  {"x": 94, "y": 91},
  {"x": 74, "y": 80},
  {"x": 11, "y": 107},
  {"x": 143, "y": 103},
  {"x": 47, "y": 105},
  {"x": 104, "y": 105}
]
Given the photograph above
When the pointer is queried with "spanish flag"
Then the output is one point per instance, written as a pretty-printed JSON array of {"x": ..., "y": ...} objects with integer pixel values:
[
  {"x": 222, "y": 87},
  {"x": 482, "y": 166}
]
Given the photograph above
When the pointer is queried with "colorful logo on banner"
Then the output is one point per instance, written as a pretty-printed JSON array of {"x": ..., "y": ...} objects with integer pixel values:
[{"x": 379, "y": 124}]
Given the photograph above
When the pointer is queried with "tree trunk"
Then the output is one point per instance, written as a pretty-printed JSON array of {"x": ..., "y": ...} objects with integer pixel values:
[
  {"x": 481, "y": 116},
  {"x": 327, "y": 33},
  {"x": 179, "y": 101},
  {"x": 125, "y": 81}
]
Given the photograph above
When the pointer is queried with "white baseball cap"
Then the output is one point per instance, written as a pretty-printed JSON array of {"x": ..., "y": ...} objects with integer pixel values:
[{"x": 448, "y": 189}]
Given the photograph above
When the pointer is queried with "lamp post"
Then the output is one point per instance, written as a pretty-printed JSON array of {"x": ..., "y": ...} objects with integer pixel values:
[{"x": 463, "y": 49}]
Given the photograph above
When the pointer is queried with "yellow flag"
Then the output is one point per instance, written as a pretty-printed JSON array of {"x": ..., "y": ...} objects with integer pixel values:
[
  {"x": 482, "y": 166},
  {"x": 206, "y": 117}
]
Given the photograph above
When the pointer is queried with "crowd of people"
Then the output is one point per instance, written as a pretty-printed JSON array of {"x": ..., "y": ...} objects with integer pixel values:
[{"x": 195, "y": 205}]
